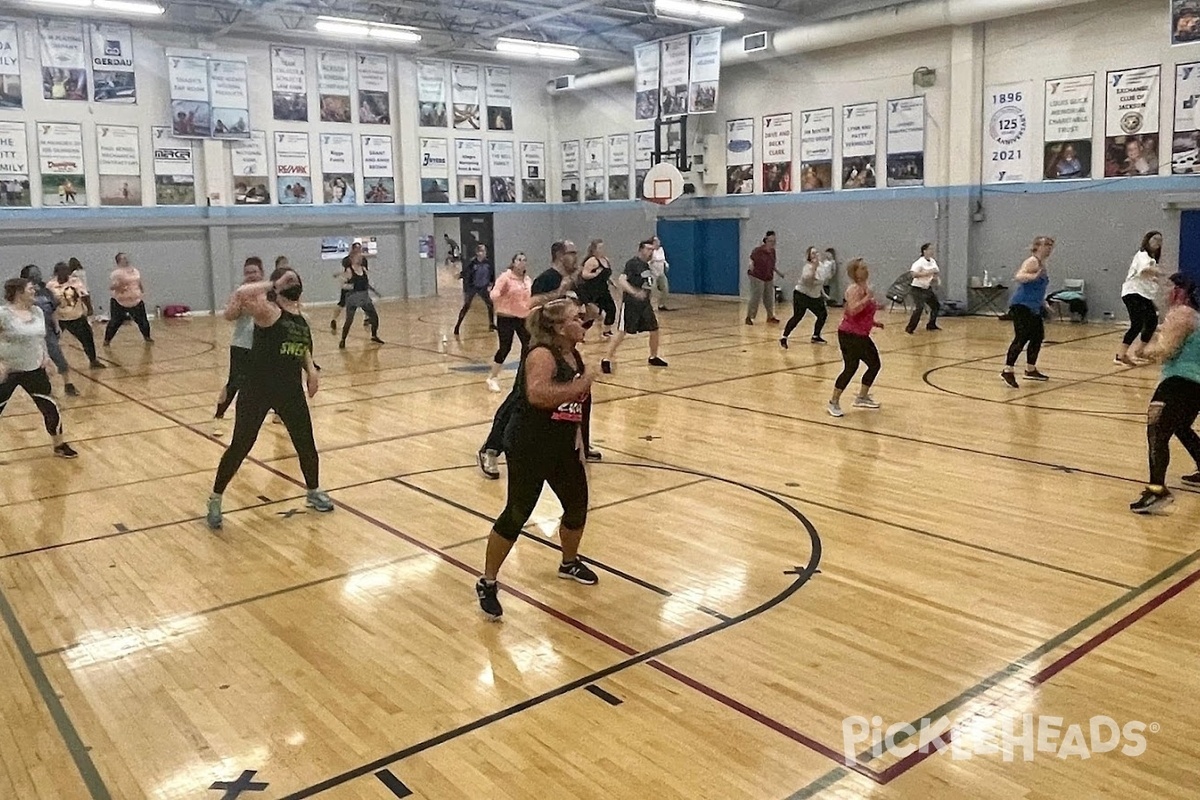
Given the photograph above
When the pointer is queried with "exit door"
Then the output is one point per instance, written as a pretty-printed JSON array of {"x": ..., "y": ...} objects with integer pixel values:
[
  {"x": 704, "y": 254},
  {"x": 476, "y": 229}
]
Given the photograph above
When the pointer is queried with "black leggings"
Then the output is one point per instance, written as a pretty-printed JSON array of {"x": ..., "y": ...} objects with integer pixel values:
[
  {"x": 923, "y": 297},
  {"x": 118, "y": 314},
  {"x": 468, "y": 298},
  {"x": 604, "y": 301},
  {"x": 857, "y": 349},
  {"x": 801, "y": 304},
  {"x": 1029, "y": 330},
  {"x": 505, "y": 328},
  {"x": 369, "y": 310},
  {"x": 1173, "y": 411},
  {"x": 239, "y": 365},
  {"x": 1143, "y": 318},
  {"x": 36, "y": 384},
  {"x": 81, "y": 330},
  {"x": 528, "y": 471},
  {"x": 292, "y": 407}
]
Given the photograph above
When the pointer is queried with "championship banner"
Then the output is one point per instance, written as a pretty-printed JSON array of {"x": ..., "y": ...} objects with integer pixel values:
[
  {"x": 816, "y": 150},
  {"x": 379, "y": 172},
  {"x": 674, "y": 66},
  {"x": 618, "y": 166},
  {"x": 594, "y": 185},
  {"x": 10, "y": 66},
  {"x": 229, "y": 96},
  {"x": 464, "y": 83},
  {"x": 502, "y": 171},
  {"x": 533, "y": 172},
  {"x": 14, "y": 166},
  {"x": 468, "y": 167},
  {"x": 64, "y": 62},
  {"x": 705, "y": 76},
  {"x": 60, "y": 160},
  {"x": 777, "y": 153},
  {"x": 174, "y": 171},
  {"x": 251, "y": 171},
  {"x": 643, "y": 160},
  {"x": 337, "y": 169},
  {"x": 1185, "y": 144},
  {"x": 293, "y": 178},
  {"x": 860, "y": 145},
  {"x": 739, "y": 156},
  {"x": 188, "y": 83},
  {"x": 1068, "y": 128},
  {"x": 645, "y": 81},
  {"x": 498, "y": 82},
  {"x": 906, "y": 142},
  {"x": 570, "y": 171},
  {"x": 435, "y": 171},
  {"x": 374, "y": 93},
  {"x": 1131, "y": 122},
  {"x": 1007, "y": 154},
  {"x": 119, "y": 162},
  {"x": 289, "y": 84},
  {"x": 112, "y": 64},
  {"x": 431, "y": 94},
  {"x": 333, "y": 85}
]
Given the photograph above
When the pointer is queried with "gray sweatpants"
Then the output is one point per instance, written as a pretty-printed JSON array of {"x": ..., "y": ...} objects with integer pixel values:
[{"x": 761, "y": 292}]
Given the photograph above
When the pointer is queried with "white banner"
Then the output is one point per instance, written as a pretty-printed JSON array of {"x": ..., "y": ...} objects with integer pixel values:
[
  {"x": 14, "y": 165},
  {"x": 1007, "y": 152},
  {"x": 465, "y": 84},
  {"x": 374, "y": 94},
  {"x": 860, "y": 145},
  {"x": 112, "y": 63},
  {"x": 293, "y": 177},
  {"x": 64, "y": 62},
  {"x": 174, "y": 170},
  {"x": 337, "y": 152},
  {"x": 777, "y": 153},
  {"x": 1131, "y": 142},
  {"x": 468, "y": 156},
  {"x": 435, "y": 158},
  {"x": 618, "y": 166},
  {"x": 645, "y": 81},
  {"x": 118, "y": 150},
  {"x": 289, "y": 84},
  {"x": 498, "y": 81},
  {"x": 431, "y": 94},
  {"x": 1067, "y": 127},
  {"x": 739, "y": 156},
  {"x": 705, "y": 77},
  {"x": 333, "y": 85},
  {"x": 906, "y": 141},
  {"x": 229, "y": 93},
  {"x": 674, "y": 65},
  {"x": 595, "y": 187},
  {"x": 191, "y": 108},
  {"x": 533, "y": 172},
  {"x": 60, "y": 160},
  {"x": 570, "y": 157},
  {"x": 502, "y": 171},
  {"x": 643, "y": 149},
  {"x": 251, "y": 171},
  {"x": 1185, "y": 145},
  {"x": 379, "y": 181},
  {"x": 10, "y": 66},
  {"x": 816, "y": 150}
]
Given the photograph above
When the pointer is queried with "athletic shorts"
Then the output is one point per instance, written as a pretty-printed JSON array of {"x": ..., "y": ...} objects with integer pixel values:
[
  {"x": 342, "y": 298},
  {"x": 637, "y": 316}
]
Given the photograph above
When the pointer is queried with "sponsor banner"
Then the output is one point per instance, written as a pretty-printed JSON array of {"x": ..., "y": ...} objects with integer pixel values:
[
  {"x": 289, "y": 84},
  {"x": 906, "y": 142},
  {"x": 112, "y": 63},
  {"x": 10, "y": 67},
  {"x": 739, "y": 156},
  {"x": 14, "y": 166},
  {"x": 174, "y": 169},
  {"x": 64, "y": 62},
  {"x": 777, "y": 153},
  {"x": 374, "y": 95},
  {"x": 333, "y": 85},
  {"x": 705, "y": 75},
  {"x": 464, "y": 79},
  {"x": 293, "y": 175},
  {"x": 498, "y": 81},
  {"x": 1067, "y": 128},
  {"x": 645, "y": 81},
  {"x": 1131, "y": 141},
  {"x": 251, "y": 171},
  {"x": 431, "y": 94}
]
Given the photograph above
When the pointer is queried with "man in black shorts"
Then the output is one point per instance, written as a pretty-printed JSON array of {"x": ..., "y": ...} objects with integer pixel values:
[{"x": 637, "y": 312}]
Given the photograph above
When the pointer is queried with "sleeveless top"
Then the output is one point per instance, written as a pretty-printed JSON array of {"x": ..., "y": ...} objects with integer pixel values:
[
  {"x": 1032, "y": 295},
  {"x": 358, "y": 283},
  {"x": 594, "y": 288},
  {"x": 22, "y": 342},
  {"x": 1186, "y": 363},
  {"x": 543, "y": 430},
  {"x": 243, "y": 333},
  {"x": 862, "y": 322},
  {"x": 278, "y": 353}
]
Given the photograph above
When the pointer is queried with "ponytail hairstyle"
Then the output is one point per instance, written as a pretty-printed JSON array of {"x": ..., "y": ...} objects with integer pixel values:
[
  {"x": 543, "y": 321},
  {"x": 1188, "y": 289},
  {"x": 1039, "y": 241}
]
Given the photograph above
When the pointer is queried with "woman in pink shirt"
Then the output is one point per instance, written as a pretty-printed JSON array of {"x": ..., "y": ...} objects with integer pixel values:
[
  {"x": 854, "y": 337},
  {"x": 128, "y": 300},
  {"x": 510, "y": 294}
]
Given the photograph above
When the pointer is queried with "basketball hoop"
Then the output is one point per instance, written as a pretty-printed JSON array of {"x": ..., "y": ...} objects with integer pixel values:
[{"x": 663, "y": 184}]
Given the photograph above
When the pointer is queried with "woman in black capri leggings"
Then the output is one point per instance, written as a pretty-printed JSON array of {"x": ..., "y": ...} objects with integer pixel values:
[
  {"x": 1025, "y": 307},
  {"x": 510, "y": 296},
  {"x": 1138, "y": 293},
  {"x": 596, "y": 272},
  {"x": 854, "y": 339},
  {"x": 545, "y": 446}
]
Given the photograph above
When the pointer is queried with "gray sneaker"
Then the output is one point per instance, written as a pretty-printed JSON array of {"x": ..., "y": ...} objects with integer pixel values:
[
  {"x": 488, "y": 464},
  {"x": 318, "y": 500},
  {"x": 214, "y": 512}
]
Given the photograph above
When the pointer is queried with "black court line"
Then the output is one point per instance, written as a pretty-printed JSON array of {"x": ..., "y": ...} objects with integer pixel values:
[
  {"x": 44, "y": 498},
  {"x": 394, "y": 784},
  {"x": 607, "y": 697},
  {"x": 91, "y": 438}
]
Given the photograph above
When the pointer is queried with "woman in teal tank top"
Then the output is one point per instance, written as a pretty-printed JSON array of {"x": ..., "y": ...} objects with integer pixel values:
[{"x": 1176, "y": 402}]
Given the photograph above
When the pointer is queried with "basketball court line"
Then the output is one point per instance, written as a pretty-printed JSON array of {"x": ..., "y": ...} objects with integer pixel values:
[{"x": 87, "y": 439}]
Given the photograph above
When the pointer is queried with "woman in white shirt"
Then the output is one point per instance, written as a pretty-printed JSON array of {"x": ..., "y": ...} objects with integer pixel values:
[
  {"x": 1138, "y": 293},
  {"x": 808, "y": 296},
  {"x": 925, "y": 273}
]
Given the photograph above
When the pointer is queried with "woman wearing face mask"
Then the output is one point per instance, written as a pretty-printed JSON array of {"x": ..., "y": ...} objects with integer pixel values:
[
  {"x": 280, "y": 368},
  {"x": 510, "y": 295},
  {"x": 48, "y": 303}
]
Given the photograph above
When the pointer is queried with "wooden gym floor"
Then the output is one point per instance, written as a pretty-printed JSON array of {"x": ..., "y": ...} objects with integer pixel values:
[{"x": 766, "y": 572}]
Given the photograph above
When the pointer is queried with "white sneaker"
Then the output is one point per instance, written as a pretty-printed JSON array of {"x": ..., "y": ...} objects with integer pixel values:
[
  {"x": 493, "y": 385},
  {"x": 834, "y": 410},
  {"x": 865, "y": 402}
]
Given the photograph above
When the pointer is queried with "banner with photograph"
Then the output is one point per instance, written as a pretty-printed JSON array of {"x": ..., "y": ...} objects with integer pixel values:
[
  {"x": 1185, "y": 21},
  {"x": 1067, "y": 128},
  {"x": 64, "y": 61},
  {"x": 431, "y": 94},
  {"x": 293, "y": 177},
  {"x": 645, "y": 81},
  {"x": 498, "y": 82},
  {"x": 739, "y": 156},
  {"x": 14, "y": 166},
  {"x": 502, "y": 171},
  {"x": 251, "y": 171},
  {"x": 60, "y": 159},
  {"x": 816, "y": 150},
  {"x": 229, "y": 96},
  {"x": 464, "y": 81},
  {"x": 112, "y": 63},
  {"x": 374, "y": 93},
  {"x": 468, "y": 167},
  {"x": 119, "y": 163},
  {"x": 643, "y": 160},
  {"x": 1185, "y": 143},
  {"x": 379, "y": 171},
  {"x": 1007, "y": 154},
  {"x": 674, "y": 67},
  {"x": 906, "y": 142},
  {"x": 860, "y": 145},
  {"x": 777, "y": 153},
  {"x": 10, "y": 66},
  {"x": 333, "y": 85},
  {"x": 191, "y": 96},
  {"x": 533, "y": 172},
  {"x": 570, "y": 180},
  {"x": 705, "y": 76},
  {"x": 618, "y": 166},
  {"x": 289, "y": 84},
  {"x": 337, "y": 169},
  {"x": 174, "y": 170},
  {"x": 594, "y": 186},
  {"x": 1131, "y": 145},
  {"x": 435, "y": 171}
]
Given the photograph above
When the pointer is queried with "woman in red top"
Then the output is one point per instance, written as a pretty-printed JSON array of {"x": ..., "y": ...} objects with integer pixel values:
[{"x": 854, "y": 337}]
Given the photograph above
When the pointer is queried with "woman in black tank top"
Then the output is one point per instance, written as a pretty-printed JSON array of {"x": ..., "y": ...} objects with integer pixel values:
[
  {"x": 545, "y": 445},
  {"x": 281, "y": 368},
  {"x": 358, "y": 295},
  {"x": 597, "y": 279}
]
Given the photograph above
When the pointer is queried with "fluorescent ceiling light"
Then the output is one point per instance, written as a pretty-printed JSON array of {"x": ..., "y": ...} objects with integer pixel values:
[
  {"x": 524, "y": 47},
  {"x": 342, "y": 26},
  {"x": 393, "y": 34},
  {"x": 70, "y": 3},
  {"x": 128, "y": 7},
  {"x": 699, "y": 9}
]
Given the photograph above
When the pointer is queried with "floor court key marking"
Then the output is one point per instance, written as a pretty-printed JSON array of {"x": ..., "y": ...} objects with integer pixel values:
[
  {"x": 244, "y": 783},
  {"x": 394, "y": 784}
]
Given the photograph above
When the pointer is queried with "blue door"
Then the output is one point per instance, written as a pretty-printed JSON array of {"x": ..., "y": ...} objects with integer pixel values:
[
  {"x": 678, "y": 237},
  {"x": 1189, "y": 244},
  {"x": 703, "y": 254}
]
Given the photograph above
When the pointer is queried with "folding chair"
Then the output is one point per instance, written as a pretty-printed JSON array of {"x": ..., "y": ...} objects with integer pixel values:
[{"x": 898, "y": 291}]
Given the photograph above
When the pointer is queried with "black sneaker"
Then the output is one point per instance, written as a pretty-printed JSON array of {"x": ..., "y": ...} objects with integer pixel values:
[
  {"x": 1151, "y": 501},
  {"x": 65, "y": 450},
  {"x": 593, "y": 455},
  {"x": 910, "y": 331},
  {"x": 606, "y": 367},
  {"x": 749, "y": 321},
  {"x": 578, "y": 571},
  {"x": 97, "y": 365},
  {"x": 783, "y": 342},
  {"x": 1191, "y": 480},
  {"x": 1034, "y": 375},
  {"x": 333, "y": 325},
  {"x": 656, "y": 362},
  {"x": 817, "y": 340},
  {"x": 489, "y": 600},
  {"x": 932, "y": 327},
  {"x": 342, "y": 344},
  {"x": 1010, "y": 379},
  {"x": 377, "y": 340},
  {"x": 71, "y": 390}
]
